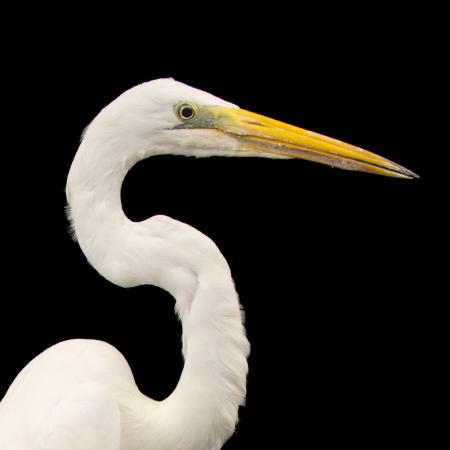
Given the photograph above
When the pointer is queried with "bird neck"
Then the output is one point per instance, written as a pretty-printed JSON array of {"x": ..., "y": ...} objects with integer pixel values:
[
  {"x": 94, "y": 199},
  {"x": 203, "y": 409},
  {"x": 160, "y": 251}
]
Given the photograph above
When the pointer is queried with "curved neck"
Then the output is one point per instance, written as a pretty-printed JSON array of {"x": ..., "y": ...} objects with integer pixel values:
[{"x": 202, "y": 410}]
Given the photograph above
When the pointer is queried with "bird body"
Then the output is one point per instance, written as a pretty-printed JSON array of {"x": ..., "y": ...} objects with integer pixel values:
[
  {"x": 43, "y": 396},
  {"x": 81, "y": 394}
]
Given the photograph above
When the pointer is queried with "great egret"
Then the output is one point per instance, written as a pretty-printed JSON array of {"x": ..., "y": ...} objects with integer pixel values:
[{"x": 80, "y": 394}]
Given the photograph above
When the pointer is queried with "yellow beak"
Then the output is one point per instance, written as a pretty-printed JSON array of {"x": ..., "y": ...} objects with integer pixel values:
[{"x": 263, "y": 136}]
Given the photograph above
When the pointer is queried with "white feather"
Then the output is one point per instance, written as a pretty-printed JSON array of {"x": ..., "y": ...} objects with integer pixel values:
[{"x": 81, "y": 394}]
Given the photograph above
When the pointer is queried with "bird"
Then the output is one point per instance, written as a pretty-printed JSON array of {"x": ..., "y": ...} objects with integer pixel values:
[{"x": 80, "y": 394}]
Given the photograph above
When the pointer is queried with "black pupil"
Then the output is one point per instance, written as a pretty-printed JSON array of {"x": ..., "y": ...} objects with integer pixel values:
[{"x": 186, "y": 112}]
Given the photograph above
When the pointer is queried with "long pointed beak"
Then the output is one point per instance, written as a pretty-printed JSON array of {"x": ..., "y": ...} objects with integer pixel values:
[{"x": 263, "y": 136}]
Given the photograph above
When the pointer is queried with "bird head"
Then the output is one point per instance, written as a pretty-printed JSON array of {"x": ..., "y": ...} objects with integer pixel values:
[{"x": 167, "y": 117}]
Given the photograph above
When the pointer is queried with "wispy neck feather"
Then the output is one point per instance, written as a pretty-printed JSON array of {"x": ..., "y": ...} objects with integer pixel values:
[
  {"x": 204, "y": 406},
  {"x": 202, "y": 411}
]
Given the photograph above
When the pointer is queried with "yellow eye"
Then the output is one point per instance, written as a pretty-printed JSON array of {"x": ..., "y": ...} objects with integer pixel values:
[{"x": 185, "y": 111}]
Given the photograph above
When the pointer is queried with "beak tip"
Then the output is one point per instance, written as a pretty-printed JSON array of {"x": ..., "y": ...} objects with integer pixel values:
[{"x": 411, "y": 175}]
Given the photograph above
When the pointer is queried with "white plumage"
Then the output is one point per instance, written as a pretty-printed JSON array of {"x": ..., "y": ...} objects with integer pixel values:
[{"x": 80, "y": 394}]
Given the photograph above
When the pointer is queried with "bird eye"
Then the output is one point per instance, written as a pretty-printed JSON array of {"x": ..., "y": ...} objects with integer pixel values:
[{"x": 185, "y": 111}]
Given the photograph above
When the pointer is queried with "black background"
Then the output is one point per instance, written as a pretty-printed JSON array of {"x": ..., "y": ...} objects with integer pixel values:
[{"x": 330, "y": 265}]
